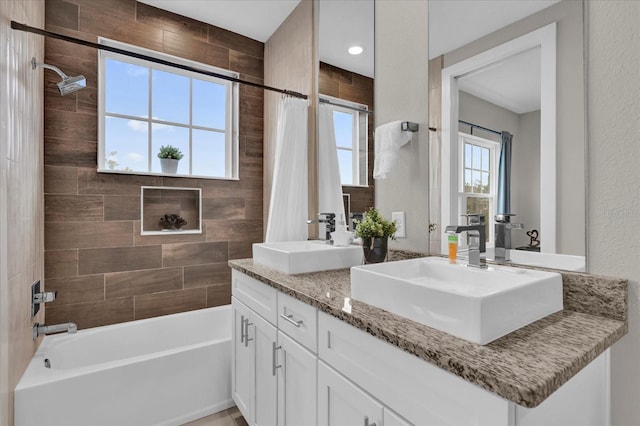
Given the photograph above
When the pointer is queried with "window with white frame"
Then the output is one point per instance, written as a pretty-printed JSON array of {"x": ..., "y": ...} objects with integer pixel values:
[
  {"x": 144, "y": 105},
  {"x": 479, "y": 178},
  {"x": 350, "y": 125}
]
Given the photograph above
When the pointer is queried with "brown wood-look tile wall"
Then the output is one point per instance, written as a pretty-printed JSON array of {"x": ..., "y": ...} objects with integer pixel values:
[
  {"x": 349, "y": 86},
  {"x": 104, "y": 270}
]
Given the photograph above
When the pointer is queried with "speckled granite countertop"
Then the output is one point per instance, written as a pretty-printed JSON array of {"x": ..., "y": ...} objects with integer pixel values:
[{"x": 525, "y": 366}]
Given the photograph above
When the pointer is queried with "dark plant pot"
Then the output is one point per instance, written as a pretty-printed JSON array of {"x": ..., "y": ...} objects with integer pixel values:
[{"x": 375, "y": 249}]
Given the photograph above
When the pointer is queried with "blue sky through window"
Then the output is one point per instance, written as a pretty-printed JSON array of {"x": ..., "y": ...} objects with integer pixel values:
[
  {"x": 343, "y": 126},
  {"x": 180, "y": 100}
]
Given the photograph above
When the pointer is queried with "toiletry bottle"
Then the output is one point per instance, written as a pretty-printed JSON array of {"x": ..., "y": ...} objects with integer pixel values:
[
  {"x": 452, "y": 238},
  {"x": 341, "y": 237}
]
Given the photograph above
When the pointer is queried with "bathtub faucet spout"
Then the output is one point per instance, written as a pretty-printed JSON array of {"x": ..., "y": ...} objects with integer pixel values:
[{"x": 39, "y": 329}]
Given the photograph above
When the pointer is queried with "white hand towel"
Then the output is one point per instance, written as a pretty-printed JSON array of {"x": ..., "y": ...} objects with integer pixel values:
[{"x": 388, "y": 140}]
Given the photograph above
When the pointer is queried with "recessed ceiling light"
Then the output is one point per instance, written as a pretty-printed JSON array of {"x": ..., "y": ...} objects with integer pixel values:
[{"x": 355, "y": 50}]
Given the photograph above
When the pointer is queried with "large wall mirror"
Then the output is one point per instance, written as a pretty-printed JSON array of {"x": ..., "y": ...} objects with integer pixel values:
[
  {"x": 500, "y": 68},
  {"x": 345, "y": 86}
]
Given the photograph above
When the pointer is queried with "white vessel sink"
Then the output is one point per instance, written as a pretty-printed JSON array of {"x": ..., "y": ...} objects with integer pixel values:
[
  {"x": 548, "y": 260},
  {"x": 479, "y": 305},
  {"x": 297, "y": 257}
]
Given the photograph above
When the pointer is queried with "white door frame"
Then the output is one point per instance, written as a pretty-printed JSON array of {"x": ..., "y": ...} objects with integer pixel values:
[{"x": 545, "y": 38}]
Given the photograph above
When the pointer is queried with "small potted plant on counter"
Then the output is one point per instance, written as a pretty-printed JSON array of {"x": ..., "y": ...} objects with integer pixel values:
[
  {"x": 375, "y": 232},
  {"x": 169, "y": 157},
  {"x": 172, "y": 222}
]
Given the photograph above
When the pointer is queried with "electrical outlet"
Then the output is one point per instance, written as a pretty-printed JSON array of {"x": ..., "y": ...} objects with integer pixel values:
[{"x": 400, "y": 219}]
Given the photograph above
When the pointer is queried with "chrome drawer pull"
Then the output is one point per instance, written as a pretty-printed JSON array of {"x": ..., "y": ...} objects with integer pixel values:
[
  {"x": 289, "y": 318},
  {"x": 273, "y": 354},
  {"x": 241, "y": 328},
  {"x": 246, "y": 332},
  {"x": 366, "y": 422}
]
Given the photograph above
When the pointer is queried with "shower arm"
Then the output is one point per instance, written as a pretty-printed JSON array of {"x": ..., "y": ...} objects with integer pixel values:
[{"x": 35, "y": 64}]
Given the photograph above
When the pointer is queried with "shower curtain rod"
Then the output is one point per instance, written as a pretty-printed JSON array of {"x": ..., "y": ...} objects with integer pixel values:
[
  {"x": 479, "y": 127},
  {"x": 327, "y": 101},
  {"x": 22, "y": 27}
]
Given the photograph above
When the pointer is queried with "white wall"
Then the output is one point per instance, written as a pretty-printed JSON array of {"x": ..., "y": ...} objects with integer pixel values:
[
  {"x": 525, "y": 168},
  {"x": 614, "y": 178},
  {"x": 402, "y": 93},
  {"x": 21, "y": 191}
]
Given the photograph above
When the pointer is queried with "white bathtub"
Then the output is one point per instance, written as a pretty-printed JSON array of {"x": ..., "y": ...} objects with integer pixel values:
[{"x": 160, "y": 371}]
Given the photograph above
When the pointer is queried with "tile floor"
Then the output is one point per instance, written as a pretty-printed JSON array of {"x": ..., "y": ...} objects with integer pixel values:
[{"x": 230, "y": 417}]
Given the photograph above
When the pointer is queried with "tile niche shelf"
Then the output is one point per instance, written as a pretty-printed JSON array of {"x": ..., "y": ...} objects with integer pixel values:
[{"x": 157, "y": 201}]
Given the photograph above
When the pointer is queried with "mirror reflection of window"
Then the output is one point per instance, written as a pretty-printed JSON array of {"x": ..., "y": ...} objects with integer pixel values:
[
  {"x": 479, "y": 177},
  {"x": 350, "y": 124}
]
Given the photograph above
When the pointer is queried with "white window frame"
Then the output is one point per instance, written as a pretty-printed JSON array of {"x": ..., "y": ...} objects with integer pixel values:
[
  {"x": 494, "y": 156},
  {"x": 232, "y": 106},
  {"x": 357, "y": 112}
]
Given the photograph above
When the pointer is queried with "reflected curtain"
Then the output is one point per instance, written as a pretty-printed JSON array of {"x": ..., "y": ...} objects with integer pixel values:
[
  {"x": 504, "y": 173},
  {"x": 288, "y": 206},
  {"x": 330, "y": 186}
]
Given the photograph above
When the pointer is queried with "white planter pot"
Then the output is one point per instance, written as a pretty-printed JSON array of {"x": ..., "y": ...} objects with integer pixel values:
[{"x": 169, "y": 165}]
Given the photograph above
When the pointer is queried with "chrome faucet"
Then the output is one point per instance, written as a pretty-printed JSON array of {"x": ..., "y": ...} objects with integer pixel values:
[
  {"x": 40, "y": 329},
  {"x": 477, "y": 238},
  {"x": 330, "y": 224},
  {"x": 503, "y": 229}
]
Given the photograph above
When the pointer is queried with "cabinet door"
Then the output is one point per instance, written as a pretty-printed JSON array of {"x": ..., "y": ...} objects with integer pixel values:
[
  {"x": 297, "y": 387},
  {"x": 265, "y": 384},
  {"x": 341, "y": 403},
  {"x": 241, "y": 359}
]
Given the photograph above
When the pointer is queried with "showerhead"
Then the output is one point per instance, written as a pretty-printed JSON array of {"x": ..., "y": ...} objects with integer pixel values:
[
  {"x": 68, "y": 84},
  {"x": 71, "y": 84}
]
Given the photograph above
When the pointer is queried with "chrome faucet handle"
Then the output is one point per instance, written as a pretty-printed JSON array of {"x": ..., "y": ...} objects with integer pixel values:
[
  {"x": 328, "y": 216},
  {"x": 503, "y": 217},
  {"x": 515, "y": 225},
  {"x": 474, "y": 218}
]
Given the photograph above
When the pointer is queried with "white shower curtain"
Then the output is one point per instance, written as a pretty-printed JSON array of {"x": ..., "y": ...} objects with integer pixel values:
[
  {"x": 289, "y": 203},
  {"x": 329, "y": 186}
]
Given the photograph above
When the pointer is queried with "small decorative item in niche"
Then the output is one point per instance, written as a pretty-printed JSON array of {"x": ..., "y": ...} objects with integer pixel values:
[
  {"x": 172, "y": 222},
  {"x": 166, "y": 210},
  {"x": 169, "y": 157}
]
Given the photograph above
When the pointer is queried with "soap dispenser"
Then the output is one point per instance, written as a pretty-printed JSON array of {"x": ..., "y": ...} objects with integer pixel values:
[{"x": 341, "y": 237}]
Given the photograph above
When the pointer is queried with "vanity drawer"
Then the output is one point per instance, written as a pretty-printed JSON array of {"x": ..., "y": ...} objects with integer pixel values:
[
  {"x": 298, "y": 320},
  {"x": 256, "y": 295}
]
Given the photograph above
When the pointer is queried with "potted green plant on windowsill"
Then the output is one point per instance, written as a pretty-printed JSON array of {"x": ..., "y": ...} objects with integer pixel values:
[
  {"x": 375, "y": 232},
  {"x": 169, "y": 157}
]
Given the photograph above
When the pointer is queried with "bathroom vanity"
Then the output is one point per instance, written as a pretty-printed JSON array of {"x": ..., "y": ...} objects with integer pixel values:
[{"x": 305, "y": 353}]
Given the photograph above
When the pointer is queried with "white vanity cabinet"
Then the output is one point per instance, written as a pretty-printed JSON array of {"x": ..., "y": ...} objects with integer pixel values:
[
  {"x": 426, "y": 395},
  {"x": 273, "y": 373},
  {"x": 296, "y": 366}
]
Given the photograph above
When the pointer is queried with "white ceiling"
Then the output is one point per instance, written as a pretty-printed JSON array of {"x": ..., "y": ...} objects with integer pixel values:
[
  {"x": 452, "y": 24},
  {"x": 256, "y": 19},
  {"x": 513, "y": 84},
  {"x": 344, "y": 24}
]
